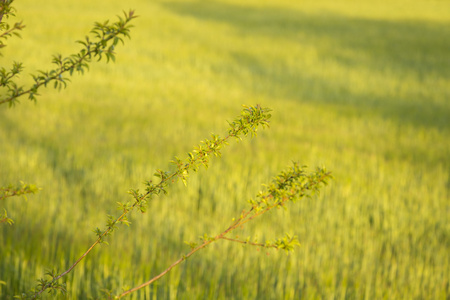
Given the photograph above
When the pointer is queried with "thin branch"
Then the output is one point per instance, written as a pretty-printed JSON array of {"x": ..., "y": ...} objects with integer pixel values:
[
  {"x": 248, "y": 242},
  {"x": 286, "y": 244},
  {"x": 179, "y": 261},
  {"x": 2, "y": 5},
  {"x": 22, "y": 190},
  {"x": 77, "y": 61},
  {"x": 250, "y": 118}
]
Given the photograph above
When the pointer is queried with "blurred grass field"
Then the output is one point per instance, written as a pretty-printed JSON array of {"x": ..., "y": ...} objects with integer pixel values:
[{"x": 361, "y": 87}]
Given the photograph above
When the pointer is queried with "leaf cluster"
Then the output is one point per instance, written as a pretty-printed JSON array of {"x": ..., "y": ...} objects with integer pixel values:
[
  {"x": 288, "y": 186},
  {"x": 6, "y": 29},
  {"x": 15, "y": 190},
  {"x": 18, "y": 190},
  {"x": 106, "y": 37},
  {"x": 50, "y": 284}
]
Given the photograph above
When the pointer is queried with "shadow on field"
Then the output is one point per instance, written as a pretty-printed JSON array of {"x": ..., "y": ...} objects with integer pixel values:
[{"x": 414, "y": 48}]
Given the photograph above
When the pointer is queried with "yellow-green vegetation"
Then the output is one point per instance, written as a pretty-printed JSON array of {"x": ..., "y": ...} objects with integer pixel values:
[{"x": 361, "y": 87}]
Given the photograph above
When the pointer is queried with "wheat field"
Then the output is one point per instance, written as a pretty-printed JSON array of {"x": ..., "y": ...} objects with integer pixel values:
[{"x": 360, "y": 87}]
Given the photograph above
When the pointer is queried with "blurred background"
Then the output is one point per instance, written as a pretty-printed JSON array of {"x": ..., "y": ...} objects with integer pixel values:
[{"x": 360, "y": 87}]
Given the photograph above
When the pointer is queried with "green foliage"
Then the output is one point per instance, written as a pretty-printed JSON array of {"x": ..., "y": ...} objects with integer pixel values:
[
  {"x": 4, "y": 218},
  {"x": 6, "y": 10},
  {"x": 106, "y": 37},
  {"x": 18, "y": 190},
  {"x": 53, "y": 288},
  {"x": 288, "y": 186},
  {"x": 249, "y": 121},
  {"x": 15, "y": 190}
]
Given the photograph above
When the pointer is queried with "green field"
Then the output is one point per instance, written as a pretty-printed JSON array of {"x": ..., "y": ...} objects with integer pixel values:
[{"x": 360, "y": 87}]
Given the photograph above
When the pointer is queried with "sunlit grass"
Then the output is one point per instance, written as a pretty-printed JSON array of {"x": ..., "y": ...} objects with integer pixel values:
[{"x": 360, "y": 88}]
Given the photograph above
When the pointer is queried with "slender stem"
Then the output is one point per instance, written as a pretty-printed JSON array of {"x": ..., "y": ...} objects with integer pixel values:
[
  {"x": 246, "y": 242},
  {"x": 80, "y": 258},
  {"x": 44, "y": 82},
  {"x": 138, "y": 200},
  {"x": 242, "y": 220},
  {"x": 154, "y": 190},
  {"x": 7, "y": 32},
  {"x": 2, "y": 4},
  {"x": 206, "y": 243}
]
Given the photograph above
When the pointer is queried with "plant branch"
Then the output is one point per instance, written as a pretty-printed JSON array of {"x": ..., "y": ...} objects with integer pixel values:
[
  {"x": 288, "y": 186},
  {"x": 179, "y": 261},
  {"x": 247, "y": 122},
  {"x": 21, "y": 190},
  {"x": 107, "y": 36}
]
